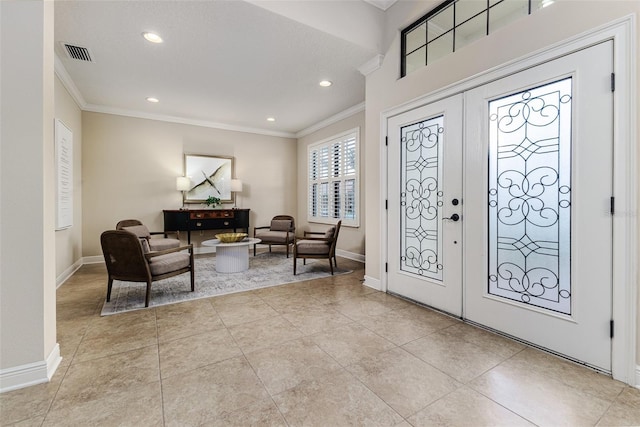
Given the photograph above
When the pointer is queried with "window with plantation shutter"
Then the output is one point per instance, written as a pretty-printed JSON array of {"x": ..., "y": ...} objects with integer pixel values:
[{"x": 333, "y": 180}]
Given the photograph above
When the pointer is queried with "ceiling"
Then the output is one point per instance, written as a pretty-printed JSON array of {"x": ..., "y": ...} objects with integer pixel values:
[{"x": 228, "y": 64}]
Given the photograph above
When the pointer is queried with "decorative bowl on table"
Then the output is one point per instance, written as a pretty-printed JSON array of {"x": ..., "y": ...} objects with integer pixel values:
[{"x": 231, "y": 237}]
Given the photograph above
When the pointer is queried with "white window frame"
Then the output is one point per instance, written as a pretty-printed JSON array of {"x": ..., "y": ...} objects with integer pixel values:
[{"x": 328, "y": 179}]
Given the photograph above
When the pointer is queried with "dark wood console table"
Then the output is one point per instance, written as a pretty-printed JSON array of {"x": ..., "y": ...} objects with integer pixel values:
[{"x": 206, "y": 219}]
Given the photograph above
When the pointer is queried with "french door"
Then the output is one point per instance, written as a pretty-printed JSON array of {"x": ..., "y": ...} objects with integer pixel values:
[
  {"x": 425, "y": 205},
  {"x": 539, "y": 176},
  {"x": 530, "y": 254}
]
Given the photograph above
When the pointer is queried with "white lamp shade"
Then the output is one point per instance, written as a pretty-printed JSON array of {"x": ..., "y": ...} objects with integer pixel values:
[
  {"x": 236, "y": 185},
  {"x": 183, "y": 183}
]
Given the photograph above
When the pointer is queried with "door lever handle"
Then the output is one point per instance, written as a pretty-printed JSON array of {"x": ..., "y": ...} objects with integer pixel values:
[{"x": 454, "y": 218}]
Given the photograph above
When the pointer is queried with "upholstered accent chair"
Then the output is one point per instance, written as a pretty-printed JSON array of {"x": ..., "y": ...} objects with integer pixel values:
[
  {"x": 155, "y": 244},
  {"x": 128, "y": 259},
  {"x": 282, "y": 231},
  {"x": 317, "y": 245}
]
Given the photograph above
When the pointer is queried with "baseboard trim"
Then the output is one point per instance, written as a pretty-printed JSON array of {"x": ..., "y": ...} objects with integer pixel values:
[
  {"x": 372, "y": 283},
  {"x": 68, "y": 272},
  {"x": 96, "y": 259},
  {"x": 350, "y": 255},
  {"x": 31, "y": 373}
]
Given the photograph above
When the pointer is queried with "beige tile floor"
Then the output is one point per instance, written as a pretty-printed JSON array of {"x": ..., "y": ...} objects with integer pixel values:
[{"x": 328, "y": 352}]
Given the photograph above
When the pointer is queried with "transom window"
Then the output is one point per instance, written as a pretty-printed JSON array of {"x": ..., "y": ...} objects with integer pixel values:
[
  {"x": 456, "y": 23},
  {"x": 333, "y": 179}
]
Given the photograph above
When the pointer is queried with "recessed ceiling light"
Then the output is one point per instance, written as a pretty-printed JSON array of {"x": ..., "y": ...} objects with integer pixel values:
[
  {"x": 325, "y": 83},
  {"x": 152, "y": 37},
  {"x": 152, "y": 99},
  {"x": 271, "y": 119},
  {"x": 546, "y": 3}
]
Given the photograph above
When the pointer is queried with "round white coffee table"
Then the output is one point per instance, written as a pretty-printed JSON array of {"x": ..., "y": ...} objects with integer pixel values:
[{"x": 231, "y": 257}]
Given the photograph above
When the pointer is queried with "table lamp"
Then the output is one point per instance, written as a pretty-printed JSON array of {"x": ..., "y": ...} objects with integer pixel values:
[
  {"x": 183, "y": 183},
  {"x": 235, "y": 187}
]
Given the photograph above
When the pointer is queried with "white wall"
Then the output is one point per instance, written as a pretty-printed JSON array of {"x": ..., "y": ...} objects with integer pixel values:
[
  {"x": 351, "y": 239},
  {"x": 28, "y": 350},
  {"x": 69, "y": 241},
  {"x": 130, "y": 165},
  {"x": 385, "y": 89},
  {"x": 355, "y": 21}
]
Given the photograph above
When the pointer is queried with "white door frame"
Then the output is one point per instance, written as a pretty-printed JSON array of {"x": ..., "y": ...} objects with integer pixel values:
[{"x": 625, "y": 279}]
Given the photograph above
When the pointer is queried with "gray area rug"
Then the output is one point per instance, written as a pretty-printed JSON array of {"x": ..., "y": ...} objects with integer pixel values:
[{"x": 265, "y": 269}]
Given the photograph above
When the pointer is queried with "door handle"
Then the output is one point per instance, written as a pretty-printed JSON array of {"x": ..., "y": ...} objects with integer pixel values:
[{"x": 454, "y": 218}]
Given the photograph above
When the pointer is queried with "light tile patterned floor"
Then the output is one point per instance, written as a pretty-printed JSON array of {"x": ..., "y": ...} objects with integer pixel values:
[{"x": 328, "y": 352}]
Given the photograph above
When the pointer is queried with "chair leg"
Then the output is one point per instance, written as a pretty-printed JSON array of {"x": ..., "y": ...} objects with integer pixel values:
[
  {"x": 294, "y": 266},
  {"x": 254, "y": 250},
  {"x": 335, "y": 261},
  {"x": 146, "y": 299},
  {"x": 287, "y": 250},
  {"x": 109, "y": 286},
  {"x": 193, "y": 283},
  {"x": 331, "y": 266},
  {"x": 269, "y": 248}
]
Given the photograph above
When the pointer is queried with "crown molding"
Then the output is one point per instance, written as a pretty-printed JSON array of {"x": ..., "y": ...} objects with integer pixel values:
[
  {"x": 331, "y": 120},
  {"x": 382, "y": 4},
  {"x": 68, "y": 83},
  {"x": 75, "y": 93},
  {"x": 371, "y": 65},
  {"x": 182, "y": 120}
]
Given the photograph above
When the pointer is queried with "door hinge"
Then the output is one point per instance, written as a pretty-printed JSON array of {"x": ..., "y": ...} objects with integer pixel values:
[
  {"x": 386, "y": 267},
  {"x": 386, "y": 204},
  {"x": 386, "y": 140},
  {"x": 613, "y": 82},
  {"x": 611, "y": 328},
  {"x": 612, "y": 206}
]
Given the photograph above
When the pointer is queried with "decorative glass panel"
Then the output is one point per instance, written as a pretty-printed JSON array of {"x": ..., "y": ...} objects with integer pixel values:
[
  {"x": 530, "y": 196},
  {"x": 421, "y": 198}
]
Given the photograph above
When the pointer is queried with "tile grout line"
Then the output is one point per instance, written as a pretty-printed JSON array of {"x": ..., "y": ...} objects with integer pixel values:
[{"x": 164, "y": 421}]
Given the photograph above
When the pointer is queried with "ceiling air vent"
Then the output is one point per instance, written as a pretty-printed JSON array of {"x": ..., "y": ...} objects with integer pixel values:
[{"x": 78, "y": 52}]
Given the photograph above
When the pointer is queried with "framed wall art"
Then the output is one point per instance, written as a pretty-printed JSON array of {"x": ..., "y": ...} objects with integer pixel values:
[
  {"x": 64, "y": 175},
  {"x": 210, "y": 176}
]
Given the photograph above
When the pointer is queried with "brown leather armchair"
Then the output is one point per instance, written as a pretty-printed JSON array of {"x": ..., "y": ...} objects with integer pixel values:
[
  {"x": 282, "y": 231},
  {"x": 317, "y": 245},
  {"x": 155, "y": 244},
  {"x": 127, "y": 260}
]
